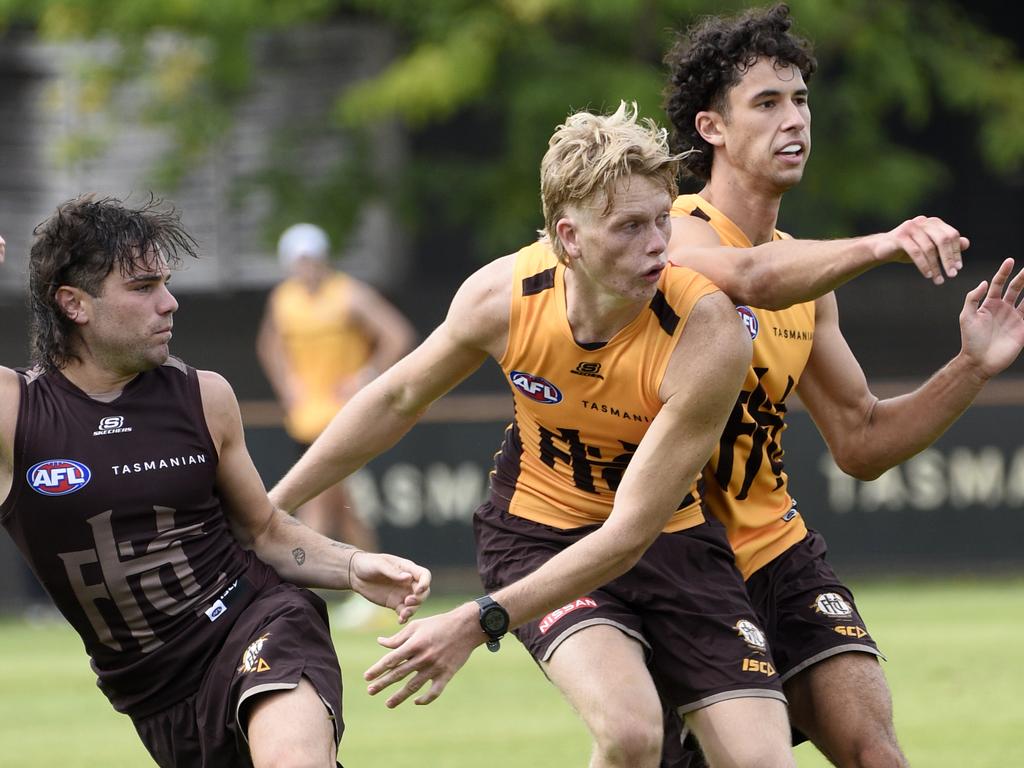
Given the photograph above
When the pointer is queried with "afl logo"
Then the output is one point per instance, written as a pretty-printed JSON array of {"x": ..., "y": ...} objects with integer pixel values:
[
  {"x": 749, "y": 319},
  {"x": 535, "y": 387},
  {"x": 58, "y": 477}
]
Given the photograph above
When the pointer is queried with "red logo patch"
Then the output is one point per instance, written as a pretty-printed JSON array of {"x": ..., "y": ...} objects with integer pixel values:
[{"x": 582, "y": 602}]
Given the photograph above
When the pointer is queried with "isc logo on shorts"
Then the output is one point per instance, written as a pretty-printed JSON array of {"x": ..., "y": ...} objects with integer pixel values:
[
  {"x": 58, "y": 477},
  {"x": 535, "y": 387},
  {"x": 757, "y": 665},
  {"x": 851, "y": 631}
]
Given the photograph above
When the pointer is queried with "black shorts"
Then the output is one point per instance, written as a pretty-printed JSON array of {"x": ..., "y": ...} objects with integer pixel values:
[
  {"x": 807, "y": 612},
  {"x": 684, "y": 602},
  {"x": 281, "y": 637}
]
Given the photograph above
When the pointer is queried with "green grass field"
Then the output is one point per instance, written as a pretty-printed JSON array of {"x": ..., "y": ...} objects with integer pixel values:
[{"x": 952, "y": 651}]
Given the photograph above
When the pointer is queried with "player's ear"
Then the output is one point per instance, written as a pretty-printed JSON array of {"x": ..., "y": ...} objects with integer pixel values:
[
  {"x": 72, "y": 303},
  {"x": 568, "y": 233},
  {"x": 710, "y": 126}
]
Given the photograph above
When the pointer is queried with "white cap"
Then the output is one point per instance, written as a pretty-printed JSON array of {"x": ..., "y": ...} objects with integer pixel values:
[{"x": 302, "y": 240}]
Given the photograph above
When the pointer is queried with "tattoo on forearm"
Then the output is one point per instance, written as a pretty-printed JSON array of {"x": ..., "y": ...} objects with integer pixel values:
[
  {"x": 342, "y": 545},
  {"x": 299, "y": 554}
]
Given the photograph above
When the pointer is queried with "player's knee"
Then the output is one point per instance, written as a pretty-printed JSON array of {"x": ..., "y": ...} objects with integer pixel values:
[
  {"x": 876, "y": 753},
  {"x": 756, "y": 755},
  {"x": 284, "y": 755},
  {"x": 629, "y": 741}
]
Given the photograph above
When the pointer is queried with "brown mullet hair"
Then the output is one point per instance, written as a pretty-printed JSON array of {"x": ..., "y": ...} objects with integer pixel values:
[
  {"x": 710, "y": 58},
  {"x": 78, "y": 246}
]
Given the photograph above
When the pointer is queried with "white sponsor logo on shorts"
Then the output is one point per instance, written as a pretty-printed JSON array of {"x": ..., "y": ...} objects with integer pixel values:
[
  {"x": 831, "y": 604},
  {"x": 548, "y": 621},
  {"x": 214, "y": 611},
  {"x": 751, "y": 634}
]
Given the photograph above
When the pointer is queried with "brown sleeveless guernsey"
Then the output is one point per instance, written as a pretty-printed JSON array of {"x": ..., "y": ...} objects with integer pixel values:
[{"x": 115, "y": 508}]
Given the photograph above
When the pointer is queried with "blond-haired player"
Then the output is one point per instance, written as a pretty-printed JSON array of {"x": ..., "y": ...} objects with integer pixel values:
[{"x": 594, "y": 544}]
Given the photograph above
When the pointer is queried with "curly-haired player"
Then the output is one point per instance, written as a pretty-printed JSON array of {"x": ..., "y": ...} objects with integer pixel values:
[{"x": 737, "y": 93}]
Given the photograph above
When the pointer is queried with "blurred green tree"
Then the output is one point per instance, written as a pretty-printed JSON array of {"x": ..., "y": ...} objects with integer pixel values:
[{"x": 479, "y": 86}]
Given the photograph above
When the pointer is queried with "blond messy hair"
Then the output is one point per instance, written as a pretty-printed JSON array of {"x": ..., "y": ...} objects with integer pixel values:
[{"x": 589, "y": 153}]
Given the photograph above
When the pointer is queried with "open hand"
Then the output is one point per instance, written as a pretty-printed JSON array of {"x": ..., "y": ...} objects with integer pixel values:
[
  {"x": 991, "y": 322},
  {"x": 391, "y": 581},
  {"x": 427, "y": 650}
]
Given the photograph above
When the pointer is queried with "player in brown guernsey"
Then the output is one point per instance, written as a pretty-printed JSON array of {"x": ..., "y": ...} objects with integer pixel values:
[
  {"x": 738, "y": 94},
  {"x": 126, "y": 484},
  {"x": 594, "y": 545}
]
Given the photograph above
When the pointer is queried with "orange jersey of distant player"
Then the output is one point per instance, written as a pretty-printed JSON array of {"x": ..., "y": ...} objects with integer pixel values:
[
  {"x": 324, "y": 348},
  {"x": 580, "y": 411},
  {"x": 745, "y": 484}
]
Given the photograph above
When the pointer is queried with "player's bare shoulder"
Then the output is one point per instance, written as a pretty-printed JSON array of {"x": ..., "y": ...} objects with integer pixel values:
[
  {"x": 714, "y": 345},
  {"x": 479, "y": 313},
  {"x": 220, "y": 406},
  {"x": 690, "y": 232}
]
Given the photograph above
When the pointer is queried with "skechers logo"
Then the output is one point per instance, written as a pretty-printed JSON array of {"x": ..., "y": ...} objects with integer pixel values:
[
  {"x": 535, "y": 387},
  {"x": 749, "y": 319},
  {"x": 111, "y": 425},
  {"x": 588, "y": 369},
  {"x": 58, "y": 477}
]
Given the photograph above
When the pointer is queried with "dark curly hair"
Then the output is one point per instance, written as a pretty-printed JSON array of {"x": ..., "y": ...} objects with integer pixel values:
[
  {"x": 78, "y": 246},
  {"x": 710, "y": 58}
]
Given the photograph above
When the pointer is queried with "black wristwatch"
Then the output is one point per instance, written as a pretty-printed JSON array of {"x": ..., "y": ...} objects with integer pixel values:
[{"x": 493, "y": 621}]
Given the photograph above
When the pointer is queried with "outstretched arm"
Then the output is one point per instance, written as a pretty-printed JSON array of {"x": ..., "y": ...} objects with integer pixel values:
[
  {"x": 866, "y": 435},
  {"x": 295, "y": 551},
  {"x": 785, "y": 272},
  {"x": 699, "y": 390}
]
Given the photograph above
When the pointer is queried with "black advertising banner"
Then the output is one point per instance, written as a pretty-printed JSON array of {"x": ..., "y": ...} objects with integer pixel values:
[{"x": 957, "y": 505}]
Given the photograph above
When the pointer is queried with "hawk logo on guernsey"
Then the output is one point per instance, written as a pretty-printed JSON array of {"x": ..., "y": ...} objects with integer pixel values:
[
  {"x": 749, "y": 319},
  {"x": 58, "y": 477},
  {"x": 535, "y": 387}
]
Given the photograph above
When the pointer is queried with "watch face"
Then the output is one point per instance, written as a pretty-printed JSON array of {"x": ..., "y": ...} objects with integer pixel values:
[{"x": 495, "y": 621}]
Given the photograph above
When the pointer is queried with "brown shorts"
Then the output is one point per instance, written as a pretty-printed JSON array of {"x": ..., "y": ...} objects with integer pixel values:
[
  {"x": 684, "y": 602},
  {"x": 809, "y": 616},
  {"x": 808, "y": 613},
  {"x": 282, "y": 636}
]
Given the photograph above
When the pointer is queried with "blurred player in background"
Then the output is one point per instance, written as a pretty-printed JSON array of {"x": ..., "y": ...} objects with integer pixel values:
[
  {"x": 738, "y": 93},
  {"x": 594, "y": 544},
  {"x": 126, "y": 484},
  {"x": 324, "y": 335}
]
